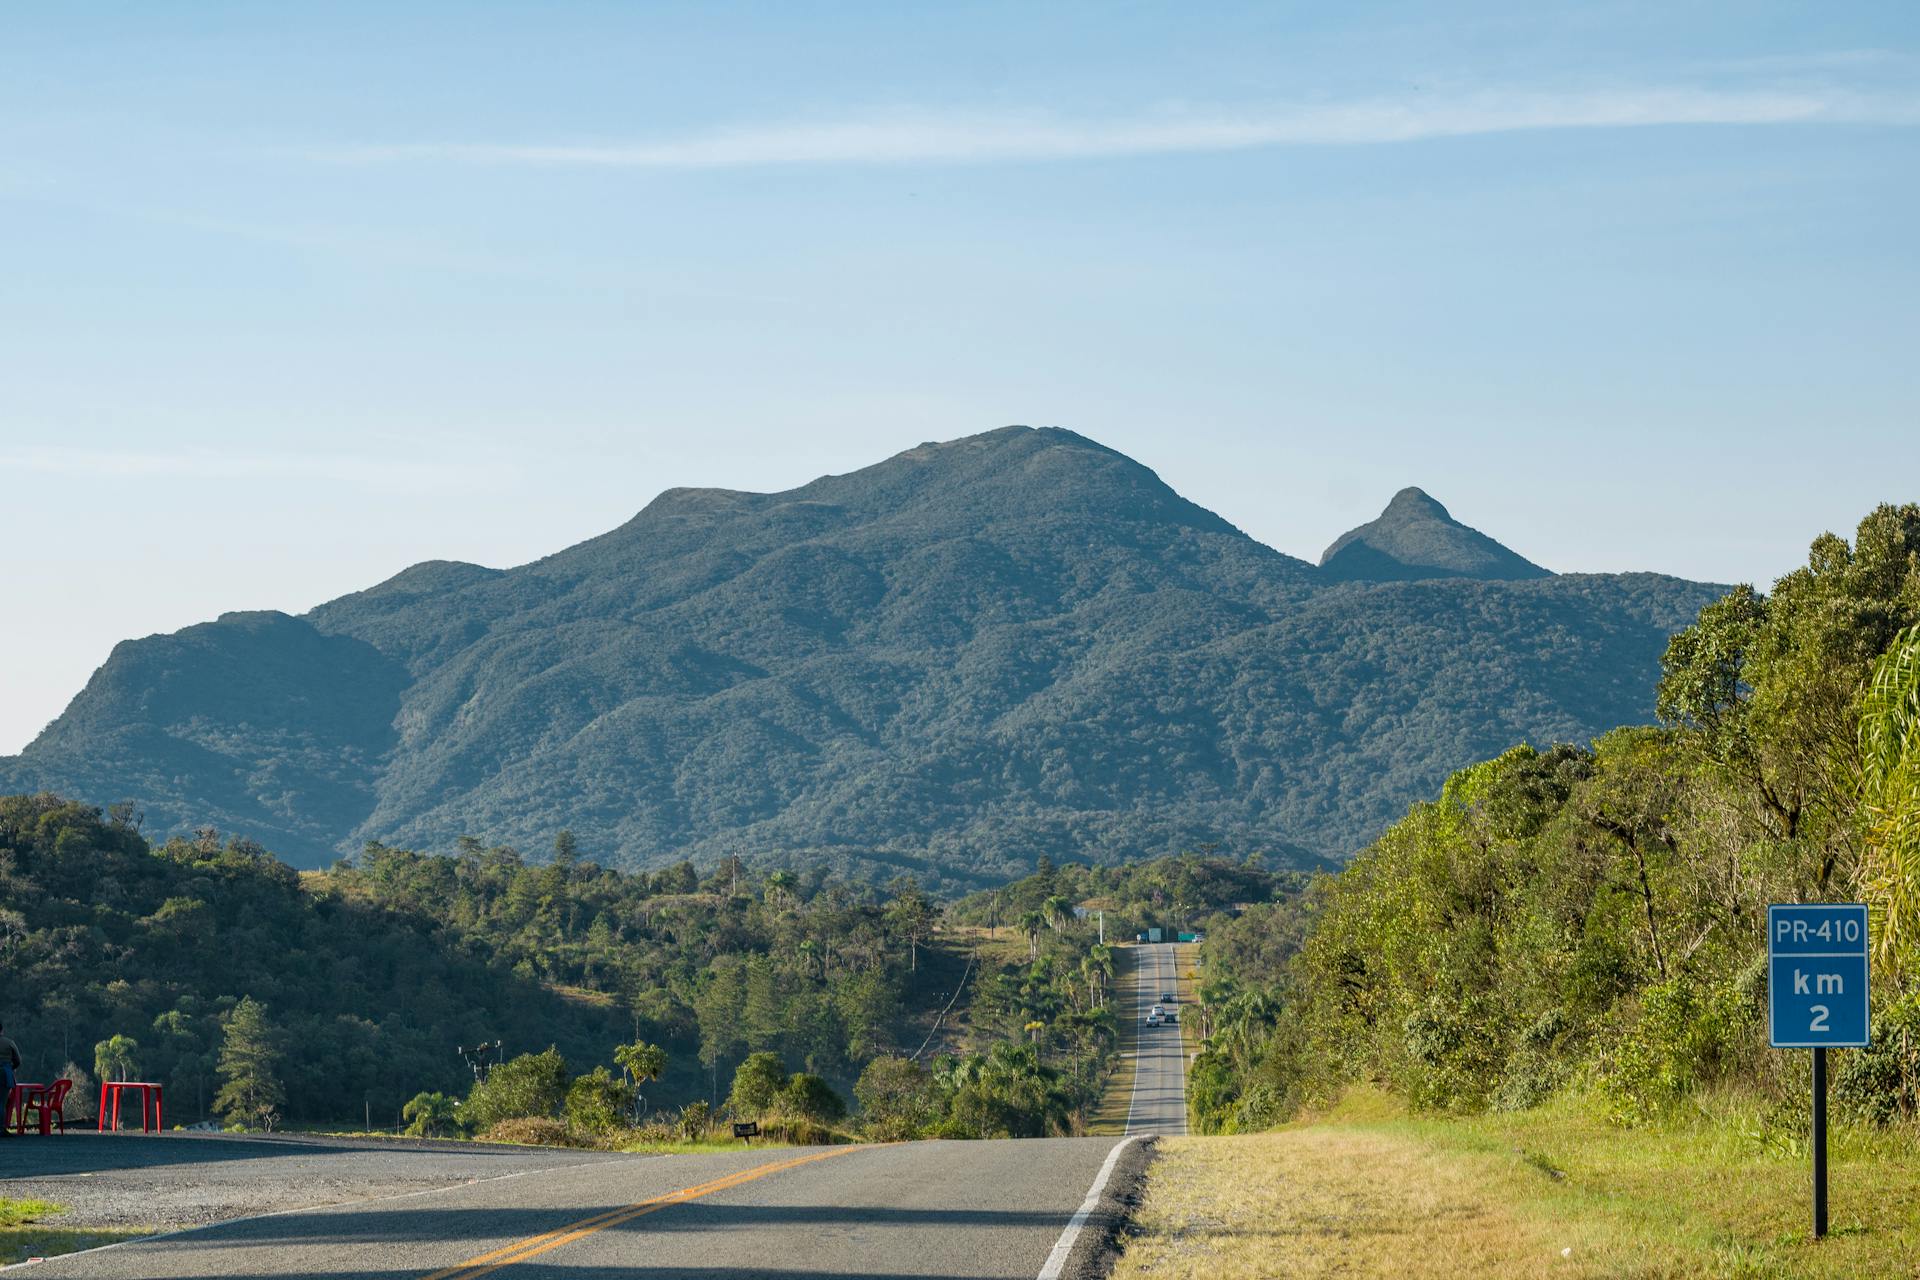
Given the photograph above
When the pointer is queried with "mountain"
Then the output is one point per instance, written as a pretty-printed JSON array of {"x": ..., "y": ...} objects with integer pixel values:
[
  {"x": 950, "y": 663},
  {"x": 1415, "y": 538}
]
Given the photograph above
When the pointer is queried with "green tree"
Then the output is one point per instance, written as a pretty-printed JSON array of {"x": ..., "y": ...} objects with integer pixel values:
[
  {"x": 251, "y": 1092},
  {"x": 598, "y": 1101},
  {"x": 910, "y": 917},
  {"x": 756, "y": 1083},
  {"x": 533, "y": 1084}
]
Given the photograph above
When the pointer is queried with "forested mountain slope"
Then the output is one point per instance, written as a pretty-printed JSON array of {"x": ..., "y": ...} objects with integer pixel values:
[{"x": 951, "y": 662}]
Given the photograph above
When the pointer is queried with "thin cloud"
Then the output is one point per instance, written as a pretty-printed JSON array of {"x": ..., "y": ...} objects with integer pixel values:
[
  {"x": 375, "y": 474},
  {"x": 922, "y": 138}
]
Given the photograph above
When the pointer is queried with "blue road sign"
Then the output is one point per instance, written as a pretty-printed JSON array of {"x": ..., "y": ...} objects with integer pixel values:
[{"x": 1817, "y": 975}]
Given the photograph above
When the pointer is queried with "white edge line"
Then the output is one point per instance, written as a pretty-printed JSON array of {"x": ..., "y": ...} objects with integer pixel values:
[
  {"x": 299, "y": 1208},
  {"x": 1063, "y": 1247}
]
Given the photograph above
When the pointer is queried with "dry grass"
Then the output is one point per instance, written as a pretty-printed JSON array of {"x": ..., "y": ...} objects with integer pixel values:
[
  {"x": 1327, "y": 1203},
  {"x": 1116, "y": 1102},
  {"x": 1369, "y": 1191}
]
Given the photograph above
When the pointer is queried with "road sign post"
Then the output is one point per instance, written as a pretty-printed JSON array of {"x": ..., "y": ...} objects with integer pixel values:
[{"x": 1817, "y": 990}]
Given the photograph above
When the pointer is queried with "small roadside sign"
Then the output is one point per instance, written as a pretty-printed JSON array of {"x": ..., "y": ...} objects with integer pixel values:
[
  {"x": 1817, "y": 975},
  {"x": 1817, "y": 999},
  {"x": 746, "y": 1130}
]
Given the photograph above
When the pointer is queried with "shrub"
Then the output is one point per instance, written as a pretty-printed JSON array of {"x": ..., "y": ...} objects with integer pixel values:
[
  {"x": 896, "y": 1097},
  {"x": 530, "y": 1131},
  {"x": 810, "y": 1106},
  {"x": 756, "y": 1083},
  {"x": 599, "y": 1101},
  {"x": 1881, "y": 1083},
  {"x": 694, "y": 1120},
  {"x": 1260, "y": 1108},
  {"x": 531, "y": 1085}
]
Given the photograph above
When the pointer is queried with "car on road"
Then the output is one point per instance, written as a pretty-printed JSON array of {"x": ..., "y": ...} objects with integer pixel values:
[{"x": 1168, "y": 997}]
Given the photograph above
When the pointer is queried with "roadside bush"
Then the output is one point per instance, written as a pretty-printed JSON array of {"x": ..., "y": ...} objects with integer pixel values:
[
  {"x": 897, "y": 1098},
  {"x": 756, "y": 1083},
  {"x": 1683, "y": 1036},
  {"x": 530, "y": 1131},
  {"x": 599, "y": 1101},
  {"x": 1260, "y": 1108},
  {"x": 1881, "y": 1083},
  {"x": 531, "y": 1085},
  {"x": 808, "y": 1107},
  {"x": 694, "y": 1120},
  {"x": 654, "y": 1133}
]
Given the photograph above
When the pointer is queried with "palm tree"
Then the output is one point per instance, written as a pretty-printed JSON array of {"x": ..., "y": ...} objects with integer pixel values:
[
  {"x": 1058, "y": 911},
  {"x": 1890, "y": 793},
  {"x": 116, "y": 1058},
  {"x": 642, "y": 1062},
  {"x": 1101, "y": 958},
  {"x": 429, "y": 1115},
  {"x": 1031, "y": 922}
]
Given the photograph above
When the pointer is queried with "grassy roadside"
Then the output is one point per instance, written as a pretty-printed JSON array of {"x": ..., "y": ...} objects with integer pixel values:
[
  {"x": 1109, "y": 1119},
  {"x": 27, "y": 1231},
  {"x": 1186, "y": 977},
  {"x": 1369, "y": 1190}
]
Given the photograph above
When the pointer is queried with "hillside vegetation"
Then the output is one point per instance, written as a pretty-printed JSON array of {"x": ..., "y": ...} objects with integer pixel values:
[
  {"x": 949, "y": 664},
  {"x": 353, "y": 989},
  {"x": 1588, "y": 921}
]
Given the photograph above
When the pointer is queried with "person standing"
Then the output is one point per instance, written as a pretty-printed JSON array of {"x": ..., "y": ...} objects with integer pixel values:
[{"x": 9, "y": 1072}]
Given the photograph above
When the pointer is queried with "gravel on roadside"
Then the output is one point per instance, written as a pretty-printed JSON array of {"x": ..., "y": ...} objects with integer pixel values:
[{"x": 173, "y": 1180}]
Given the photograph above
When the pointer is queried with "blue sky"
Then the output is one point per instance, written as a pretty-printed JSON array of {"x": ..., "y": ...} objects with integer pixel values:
[{"x": 294, "y": 296}]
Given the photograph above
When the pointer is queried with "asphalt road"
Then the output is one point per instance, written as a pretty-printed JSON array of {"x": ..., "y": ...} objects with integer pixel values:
[
  {"x": 1160, "y": 1067},
  {"x": 951, "y": 1209}
]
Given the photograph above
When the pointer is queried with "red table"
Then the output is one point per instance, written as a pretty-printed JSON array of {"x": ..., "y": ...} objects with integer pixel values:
[
  {"x": 17, "y": 1102},
  {"x": 114, "y": 1088}
]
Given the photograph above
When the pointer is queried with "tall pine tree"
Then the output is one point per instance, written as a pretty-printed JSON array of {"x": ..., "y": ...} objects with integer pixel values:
[{"x": 250, "y": 1088}]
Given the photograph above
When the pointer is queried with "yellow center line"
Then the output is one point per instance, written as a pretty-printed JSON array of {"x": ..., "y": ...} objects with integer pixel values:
[{"x": 521, "y": 1250}]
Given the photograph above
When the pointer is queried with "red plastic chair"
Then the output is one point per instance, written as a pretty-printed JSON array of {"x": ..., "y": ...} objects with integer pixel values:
[{"x": 51, "y": 1104}]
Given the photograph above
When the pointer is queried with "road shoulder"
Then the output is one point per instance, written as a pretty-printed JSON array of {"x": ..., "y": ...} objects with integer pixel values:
[{"x": 1098, "y": 1249}]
